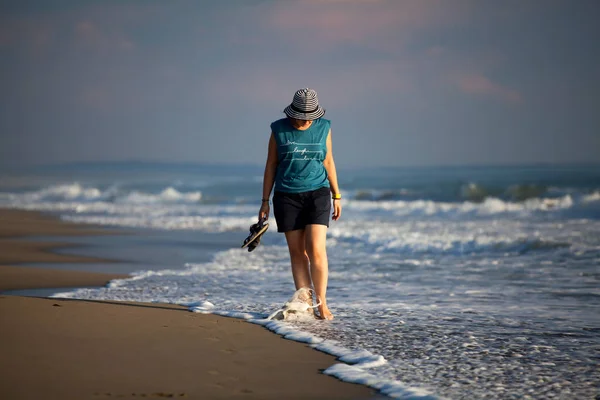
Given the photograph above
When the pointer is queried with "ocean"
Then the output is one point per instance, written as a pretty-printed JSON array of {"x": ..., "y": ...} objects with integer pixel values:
[{"x": 454, "y": 282}]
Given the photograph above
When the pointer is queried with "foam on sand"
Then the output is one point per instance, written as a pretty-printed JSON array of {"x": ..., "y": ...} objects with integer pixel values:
[{"x": 355, "y": 364}]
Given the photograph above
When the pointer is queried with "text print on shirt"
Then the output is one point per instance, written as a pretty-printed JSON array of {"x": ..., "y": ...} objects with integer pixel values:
[{"x": 306, "y": 155}]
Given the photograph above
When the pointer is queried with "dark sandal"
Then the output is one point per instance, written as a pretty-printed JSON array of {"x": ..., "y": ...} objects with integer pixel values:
[{"x": 256, "y": 232}]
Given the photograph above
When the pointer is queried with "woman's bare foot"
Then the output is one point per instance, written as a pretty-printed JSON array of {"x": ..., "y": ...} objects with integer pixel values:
[{"x": 324, "y": 312}]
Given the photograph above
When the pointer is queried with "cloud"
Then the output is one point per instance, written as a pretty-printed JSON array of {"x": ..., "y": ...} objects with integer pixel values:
[
  {"x": 37, "y": 33},
  {"x": 89, "y": 34},
  {"x": 95, "y": 97},
  {"x": 467, "y": 71},
  {"x": 345, "y": 47},
  {"x": 32, "y": 35},
  {"x": 477, "y": 84},
  {"x": 384, "y": 24}
]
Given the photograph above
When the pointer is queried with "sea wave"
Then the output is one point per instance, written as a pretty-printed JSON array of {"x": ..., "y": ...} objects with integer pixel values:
[
  {"x": 474, "y": 246},
  {"x": 592, "y": 197},
  {"x": 382, "y": 195},
  {"x": 472, "y": 192},
  {"x": 78, "y": 192},
  {"x": 73, "y": 191},
  {"x": 407, "y": 243},
  {"x": 520, "y": 192},
  {"x": 166, "y": 196},
  {"x": 446, "y": 237},
  {"x": 169, "y": 222},
  {"x": 487, "y": 207}
]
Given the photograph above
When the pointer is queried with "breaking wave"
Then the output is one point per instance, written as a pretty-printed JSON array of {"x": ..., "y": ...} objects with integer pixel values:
[
  {"x": 169, "y": 222},
  {"x": 471, "y": 192},
  {"x": 488, "y": 207},
  {"x": 78, "y": 192},
  {"x": 590, "y": 198},
  {"x": 449, "y": 238}
]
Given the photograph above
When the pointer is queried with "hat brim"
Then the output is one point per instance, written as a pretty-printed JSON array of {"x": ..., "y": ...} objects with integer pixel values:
[{"x": 318, "y": 113}]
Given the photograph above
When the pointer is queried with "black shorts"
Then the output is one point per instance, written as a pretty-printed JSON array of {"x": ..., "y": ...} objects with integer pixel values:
[{"x": 296, "y": 210}]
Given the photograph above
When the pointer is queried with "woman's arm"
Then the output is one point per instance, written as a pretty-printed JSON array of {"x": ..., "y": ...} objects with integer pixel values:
[
  {"x": 329, "y": 164},
  {"x": 268, "y": 178}
]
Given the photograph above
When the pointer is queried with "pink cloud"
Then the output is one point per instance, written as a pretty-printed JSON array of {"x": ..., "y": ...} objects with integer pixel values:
[
  {"x": 95, "y": 97},
  {"x": 36, "y": 34},
  {"x": 87, "y": 31},
  {"x": 98, "y": 28},
  {"x": 91, "y": 35},
  {"x": 320, "y": 24},
  {"x": 478, "y": 84},
  {"x": 467, "y": 72}
]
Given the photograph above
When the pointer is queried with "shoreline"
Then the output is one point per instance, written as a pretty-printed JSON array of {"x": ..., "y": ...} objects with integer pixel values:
[
  {"x": 19, "y": 249},
  {"x": 65, "y": 348}
]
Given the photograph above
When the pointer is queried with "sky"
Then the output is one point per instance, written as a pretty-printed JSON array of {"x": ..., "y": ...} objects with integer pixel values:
[{"x": 404, "y": 82}]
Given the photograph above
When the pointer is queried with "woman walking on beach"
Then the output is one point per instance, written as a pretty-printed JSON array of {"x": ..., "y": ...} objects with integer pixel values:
[{"x": 300, "y": 165}]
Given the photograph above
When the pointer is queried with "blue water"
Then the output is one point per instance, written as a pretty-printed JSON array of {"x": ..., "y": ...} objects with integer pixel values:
[{"x": 472, "y": 282}]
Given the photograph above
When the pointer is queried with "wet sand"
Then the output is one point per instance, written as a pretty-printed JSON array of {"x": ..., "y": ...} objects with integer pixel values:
[
  {"x": 16, "y": 229},
  {"x": 77, "y": 349}
]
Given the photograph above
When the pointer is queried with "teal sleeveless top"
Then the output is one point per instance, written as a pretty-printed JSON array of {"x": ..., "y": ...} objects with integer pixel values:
[{"x": 300, "y": 156}]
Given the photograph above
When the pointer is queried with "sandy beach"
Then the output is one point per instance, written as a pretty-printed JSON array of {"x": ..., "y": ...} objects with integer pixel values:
[
  {"x": 16, "y": 226},
  {"x": 76, "y": 349}
]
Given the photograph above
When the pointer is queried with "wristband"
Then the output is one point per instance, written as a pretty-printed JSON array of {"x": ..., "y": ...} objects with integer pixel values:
[
  {"x": 265, "y": 200},
  {"x": 336, "y": 196}
]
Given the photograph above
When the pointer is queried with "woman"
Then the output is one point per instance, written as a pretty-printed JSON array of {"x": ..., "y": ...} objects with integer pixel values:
[{"x": 300, "y": 165}]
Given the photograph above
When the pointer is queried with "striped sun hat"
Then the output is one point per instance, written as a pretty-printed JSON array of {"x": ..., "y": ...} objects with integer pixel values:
[{"x": 305, "y": 106}]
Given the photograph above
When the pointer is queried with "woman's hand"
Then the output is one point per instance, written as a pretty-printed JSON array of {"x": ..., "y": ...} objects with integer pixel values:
[
  {"x": 263, "y": 213},
  {"x": 337, "y": 209}
]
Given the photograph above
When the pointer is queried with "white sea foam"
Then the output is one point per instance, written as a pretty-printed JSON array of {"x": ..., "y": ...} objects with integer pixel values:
[
  {"x": 489, "y": 206},
  {"x": 200, "y": 223},
  {"x": 394, "y": 389},
  {"x": 209, "y": 218},
  {"x": 592, "y": 197},
  {"x": 82, "y": 200},
  {"x": 356, "y": 363},
  {"x": 73, "y": 191},
  {"x": 78, "y": 192},
  {"x": 387, "y": 234},
  {"x": 454, "y": 237},
  {"x": 168, "y": 195},
  {"x": 166, "y": 286},
  {"x": 236, "y": 314},
  {"x": 168, "y": 209},
  {"x": 202, "y": 307}
]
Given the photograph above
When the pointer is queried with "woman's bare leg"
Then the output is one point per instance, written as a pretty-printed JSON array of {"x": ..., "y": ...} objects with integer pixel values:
[
  {"x": 297, "y": 247},
  {"x": 319, "y": 267}
]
